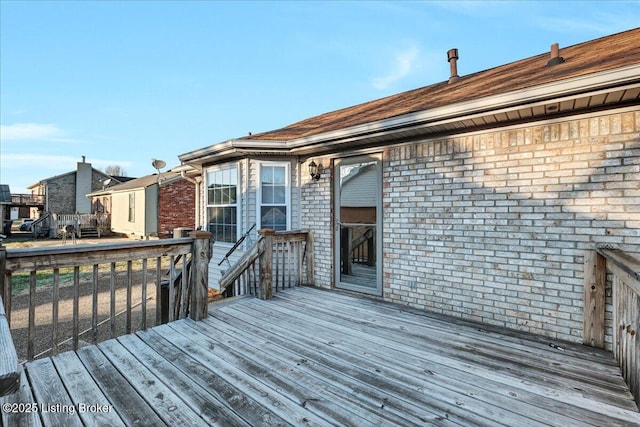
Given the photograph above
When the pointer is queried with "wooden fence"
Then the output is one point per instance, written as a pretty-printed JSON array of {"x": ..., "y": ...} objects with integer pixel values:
[
  {"x": 625, "y": 292},
  {"x": 276, "y": 261},
  {"x": 175, "y": 271}
]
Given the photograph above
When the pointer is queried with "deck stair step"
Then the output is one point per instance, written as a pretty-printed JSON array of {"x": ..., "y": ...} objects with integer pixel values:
[{"x": 90, "y": 233}]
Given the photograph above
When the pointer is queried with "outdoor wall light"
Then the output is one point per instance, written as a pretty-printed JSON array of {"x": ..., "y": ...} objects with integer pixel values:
[{"x": 315, "y": 170}]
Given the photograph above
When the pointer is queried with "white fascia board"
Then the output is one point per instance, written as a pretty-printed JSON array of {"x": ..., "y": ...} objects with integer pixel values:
[
  {"x": 204, "y": 152},
  {"x": 231, "y": 147},
  {"x": 520, "y": 97}
]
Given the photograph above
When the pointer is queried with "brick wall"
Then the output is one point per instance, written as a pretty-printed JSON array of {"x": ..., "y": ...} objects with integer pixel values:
[
  {"x": 493, "y": 226},
  {"x": 61, "y": 194},
  {"x": 176, "y": 207},
  {"x": 316, "y": 215}
]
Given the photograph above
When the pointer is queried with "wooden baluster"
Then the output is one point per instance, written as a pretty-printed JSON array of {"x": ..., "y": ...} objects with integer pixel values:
[
  {"x": 55, "y": 299},
  {"x": 143, "y": 292},
  {"x": 184, "y": 288},
  {"x": 129, "y": 286},
  {"x": 172, "y": 278},
  {"x": 32, "y": 315},
  {"x": 158, "y": 290},
  {"x": 76, "y": 306},
  {"x": 94, "y": 305},
  {"x": 112, "y": 301},
  {"x": 310, "y": 259}
]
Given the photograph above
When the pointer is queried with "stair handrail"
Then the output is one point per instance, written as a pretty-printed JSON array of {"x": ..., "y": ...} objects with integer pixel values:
[
  {"x": 236, "y": 245},
  {"x": 245, "y": 262},
  {"x": 37, "y": 222}
]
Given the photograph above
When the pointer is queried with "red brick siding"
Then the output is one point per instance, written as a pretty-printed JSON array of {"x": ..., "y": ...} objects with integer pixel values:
[{"x": 176, "y": 207}]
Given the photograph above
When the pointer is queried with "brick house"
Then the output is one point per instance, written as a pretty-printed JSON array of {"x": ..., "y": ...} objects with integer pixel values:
[
  {"x": 67, "y": 193},
  {"x": 150, "y": 206},
  {"x": 485, "y": 190}
]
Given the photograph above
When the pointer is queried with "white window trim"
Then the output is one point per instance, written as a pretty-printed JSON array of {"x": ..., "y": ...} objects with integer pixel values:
[
  {"x": 239, "y": 194},
  {"x": 132, "y": 207},
  {"x": 287, "y": 183}
]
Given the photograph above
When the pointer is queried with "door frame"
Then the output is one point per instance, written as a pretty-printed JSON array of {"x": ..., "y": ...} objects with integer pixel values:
[{"x": 337, "y": 222}]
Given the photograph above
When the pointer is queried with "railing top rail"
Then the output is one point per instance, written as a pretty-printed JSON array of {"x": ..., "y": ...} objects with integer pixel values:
[
  {"x": 623, "y": 260},
  {"x": 241, "y": 265},
  {"x": 9, "y": 373},
  {"x": 290, "y": 236},
  {"x": 27, "y": 259}
]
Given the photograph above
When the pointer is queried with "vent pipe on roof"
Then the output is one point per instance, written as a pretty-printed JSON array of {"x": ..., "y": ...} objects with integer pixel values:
[
  {"x": 555, "y": 58},
  {"x": 452, "y": 57}
]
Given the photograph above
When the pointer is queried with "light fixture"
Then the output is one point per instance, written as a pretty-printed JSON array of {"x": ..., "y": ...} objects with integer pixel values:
[{"x": 315, "y": 171}]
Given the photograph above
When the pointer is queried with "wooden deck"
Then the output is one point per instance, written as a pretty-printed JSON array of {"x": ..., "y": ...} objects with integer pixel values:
[{"x": 314, "y": 357}]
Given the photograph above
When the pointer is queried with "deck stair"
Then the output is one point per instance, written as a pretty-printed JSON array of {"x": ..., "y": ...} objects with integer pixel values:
[{"x": 89, "y": 233}]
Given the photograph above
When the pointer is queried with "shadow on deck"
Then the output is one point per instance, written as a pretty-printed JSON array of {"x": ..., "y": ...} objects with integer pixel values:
[{"x": 315, "y": 357}]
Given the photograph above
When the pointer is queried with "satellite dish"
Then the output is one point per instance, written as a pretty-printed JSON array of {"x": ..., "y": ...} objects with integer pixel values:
[
  {"x": 106, "y": 182},
  {"x": 158, "y": 164}
]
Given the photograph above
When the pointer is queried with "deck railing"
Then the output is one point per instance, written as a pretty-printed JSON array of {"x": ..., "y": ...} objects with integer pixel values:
[
  {"x": 64, "y": 294},
  {"x": 101, "y": 222},
  {"x": 625, "y": 292},
  {"x": 27, "y": 200},
  {"x": 277, "y": 260}
]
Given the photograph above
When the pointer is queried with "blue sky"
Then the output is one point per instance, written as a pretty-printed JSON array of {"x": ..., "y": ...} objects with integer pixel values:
[{"x": 123, "y": 82}]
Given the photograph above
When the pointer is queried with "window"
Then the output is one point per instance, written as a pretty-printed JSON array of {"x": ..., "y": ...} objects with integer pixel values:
[
  {"x": 132, "y": 207},
  {"x": 222, "y": 205},
  {"x": 273, "y": 210}
]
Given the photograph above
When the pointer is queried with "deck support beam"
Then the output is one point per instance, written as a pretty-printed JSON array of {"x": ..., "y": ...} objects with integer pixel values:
[
  {"x": 595, "y": 277},
  {"x": 265, "y": 290},
  {"x": 200, "y": 278}
]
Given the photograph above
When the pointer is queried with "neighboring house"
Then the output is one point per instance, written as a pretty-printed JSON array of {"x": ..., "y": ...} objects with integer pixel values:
[
  {"x": 483, "y": 191},
  {"x": 5, "y": 207},
  {"x": 151, "y": 206},
  {"x": 67, "y": 193}
]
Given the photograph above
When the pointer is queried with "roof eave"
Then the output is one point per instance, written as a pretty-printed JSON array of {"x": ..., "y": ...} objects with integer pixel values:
[
  {"x": 575, "y": 86},
  {"x": 233, "y": 149}
]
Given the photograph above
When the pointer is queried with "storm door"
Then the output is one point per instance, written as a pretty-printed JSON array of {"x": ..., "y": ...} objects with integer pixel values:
[{"x": 358, "y": 234}]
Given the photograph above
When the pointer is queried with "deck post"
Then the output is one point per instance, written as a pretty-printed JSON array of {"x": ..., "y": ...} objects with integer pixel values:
[
  {"x": 265, "y": 290},
  {"x": 4, "y": 293},
  {"x": 200, "y": 256},
  {"x": 595, "y": 277},
  {"x": 311, "y": 267}
]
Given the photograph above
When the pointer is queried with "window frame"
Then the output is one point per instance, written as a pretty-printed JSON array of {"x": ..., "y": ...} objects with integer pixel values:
[
  {"x": 287, "y": 191},
  {"x": 132, "y": 207},
  {"x": 209, "y": 204}
]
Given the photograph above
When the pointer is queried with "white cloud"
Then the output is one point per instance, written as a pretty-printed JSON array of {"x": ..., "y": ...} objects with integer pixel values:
[
  {"x": 32, "y": 131},
  {"x": 403, "y": 64},
  {"x": 54, "y": 162},
  {"x": 602, "y": 24}
]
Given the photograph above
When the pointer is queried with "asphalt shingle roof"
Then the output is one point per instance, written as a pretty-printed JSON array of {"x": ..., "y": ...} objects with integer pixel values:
[{"x": 598, "y": 55}]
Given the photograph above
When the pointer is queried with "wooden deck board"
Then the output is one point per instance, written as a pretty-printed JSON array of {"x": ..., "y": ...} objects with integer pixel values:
[
  {"x": 494, "y": 355},
  {"x": 439, "y": 388},
  {"x": 84, "y": 391},
  {"x": 312, "y": 358}
]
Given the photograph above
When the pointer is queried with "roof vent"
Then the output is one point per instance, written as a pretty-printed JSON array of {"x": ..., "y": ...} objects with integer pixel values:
[
  {"x": 452, "y": 57},
  {"x": 555, "y": 56}
]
